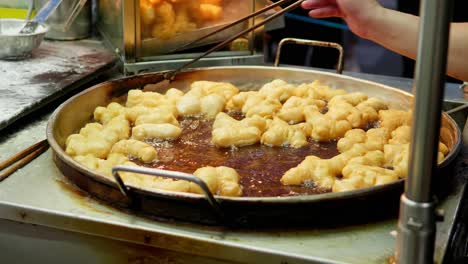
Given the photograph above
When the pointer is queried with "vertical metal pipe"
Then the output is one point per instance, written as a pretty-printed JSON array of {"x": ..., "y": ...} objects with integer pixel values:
[{"x": 416, "y": 226}]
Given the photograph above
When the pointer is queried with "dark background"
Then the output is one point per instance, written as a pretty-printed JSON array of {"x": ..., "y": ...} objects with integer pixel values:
[{"x": 326, "y": 58}]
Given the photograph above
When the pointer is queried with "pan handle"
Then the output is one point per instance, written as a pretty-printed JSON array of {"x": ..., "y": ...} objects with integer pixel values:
[
  {"x": 167, "y": 174},
  {"x": 339, "y": 66}
]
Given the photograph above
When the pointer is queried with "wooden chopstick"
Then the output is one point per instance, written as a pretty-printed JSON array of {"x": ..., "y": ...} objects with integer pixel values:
[
  {"x": 22, "y": 158},
  {"x": 261, "y": 11}
]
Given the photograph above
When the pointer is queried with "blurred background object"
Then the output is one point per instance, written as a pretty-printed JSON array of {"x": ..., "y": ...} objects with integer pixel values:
[
  {"x": 79, "y": 28},
  {"x": 460, "y": 14},
  {"x": 14, "y": 8},
  {"x": 360, "y": 55}
]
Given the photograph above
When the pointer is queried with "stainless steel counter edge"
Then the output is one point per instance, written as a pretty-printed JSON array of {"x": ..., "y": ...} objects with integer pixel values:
[{"x": 160, "y": 239}]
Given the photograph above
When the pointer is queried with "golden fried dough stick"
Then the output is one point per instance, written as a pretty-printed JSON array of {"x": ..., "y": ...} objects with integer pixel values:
[
  {"x": 96, "y": 140},
  {"x": 237, "y": 101},
  {"x": 373, "y": 139},
  {"x": 280, "y": 133},
  {"x": 323, "y": 127},
  {"x": 265, "y": 108},
  {"x": 156, "y": 131},
  {"x": 292, "y": 110},
  {"x": 361, "y": 176},
  {"x": 277, "y": 90},
  {"x": 322, "y": 172},
  {"x": 317, "y": 90},
  {"x": 402, "y": 135},
  {"x": 135, "y": 148},
  {"x": 228, "y": 132},
  {"x": 220, "y": 180},
  {"x": 392, "y": 119},
  {"x": 133, "y": 113}
]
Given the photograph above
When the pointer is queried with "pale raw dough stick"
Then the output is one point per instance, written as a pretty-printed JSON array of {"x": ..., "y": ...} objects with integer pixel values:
[
  {"x": 105, "y": 114},
  {"x": 373, "y": 139},
  {"x": 135, "y": 148},
  {"x": 149, "y": 99},
  {"x": 323, "y": 127},
  {"x": 133, "y": 179},
  {"x": 118, "y": 125},
  {"x": 157, "y": 117},
  {"x": 292, "y": 110},
  {"x": 104, "y": 166},
  {"x": 228, "y": 132},
  {"x": 189, "y": 104},
  {"x": 133, "y": 113},
  {"x": 254, "y": 103},
  {"x": 322, "y": 172},
  {"x": 221, "y": 180},
  {"x": 204, "y": 88},
  {"x": 280, "y": 133},
  {"x": 317, "y": 90},
  {"x": 156, "y": 131},
  {"x": 211, "y": 105},
  {"x": 143, "y": 103},
  {"x": 204, "y": 97},
  {"x": 238, "y": 101},
  {"x": 173, "y": 95},
  {"x": 168, "y": 184}
]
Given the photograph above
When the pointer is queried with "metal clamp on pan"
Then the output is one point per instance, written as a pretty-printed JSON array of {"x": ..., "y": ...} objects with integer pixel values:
[
  {"x": 315, "y": 43},
  {"x": 167, "y": 174}
]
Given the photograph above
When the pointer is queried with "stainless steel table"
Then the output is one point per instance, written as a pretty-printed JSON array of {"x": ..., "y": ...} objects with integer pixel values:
[{"x": 45, "y": 219}]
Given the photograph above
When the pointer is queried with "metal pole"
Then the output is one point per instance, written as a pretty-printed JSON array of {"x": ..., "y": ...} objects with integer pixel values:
[{"x": 416, "y": 225}]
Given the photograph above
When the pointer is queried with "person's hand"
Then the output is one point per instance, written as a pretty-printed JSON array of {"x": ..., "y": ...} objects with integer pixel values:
[{"x": 356, "y": 13}]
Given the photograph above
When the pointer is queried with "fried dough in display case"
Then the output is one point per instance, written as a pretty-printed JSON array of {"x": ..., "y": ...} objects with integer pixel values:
[{"x": 153, "y": 34}]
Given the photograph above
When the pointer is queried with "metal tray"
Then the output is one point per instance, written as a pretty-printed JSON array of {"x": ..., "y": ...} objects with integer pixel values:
[{"x": 241, "y": 211}]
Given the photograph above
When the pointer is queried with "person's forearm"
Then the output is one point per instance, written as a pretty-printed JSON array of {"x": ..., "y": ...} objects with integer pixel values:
[
  {"x": 400, "y": 32},
  {"x": 394, "y": 30}
]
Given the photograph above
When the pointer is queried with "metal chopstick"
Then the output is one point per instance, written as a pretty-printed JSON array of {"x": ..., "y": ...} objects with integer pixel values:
[
  {"x": 261, "y": 11},
  {"x": 22, "y": 158},
  {"x": 171, "y": 74}
]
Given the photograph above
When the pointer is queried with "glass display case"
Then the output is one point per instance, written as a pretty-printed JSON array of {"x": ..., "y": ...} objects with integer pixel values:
[{"x": 145, "y": 33}]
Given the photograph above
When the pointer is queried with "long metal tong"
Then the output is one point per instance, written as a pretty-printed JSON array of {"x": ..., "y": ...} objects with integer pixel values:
[{"x": 170, "y": 75}]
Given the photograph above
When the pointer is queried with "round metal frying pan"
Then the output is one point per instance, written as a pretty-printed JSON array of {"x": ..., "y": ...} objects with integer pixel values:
[{"x": 367, "y": 203}]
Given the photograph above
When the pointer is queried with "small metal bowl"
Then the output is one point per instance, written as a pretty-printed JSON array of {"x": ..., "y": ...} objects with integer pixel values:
[{"x": 16, "y": 46}]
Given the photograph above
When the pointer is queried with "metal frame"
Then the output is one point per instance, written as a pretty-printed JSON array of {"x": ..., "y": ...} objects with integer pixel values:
[
  {"x": 416, "y": 225},
  {"x": 314, "y": 43}
]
